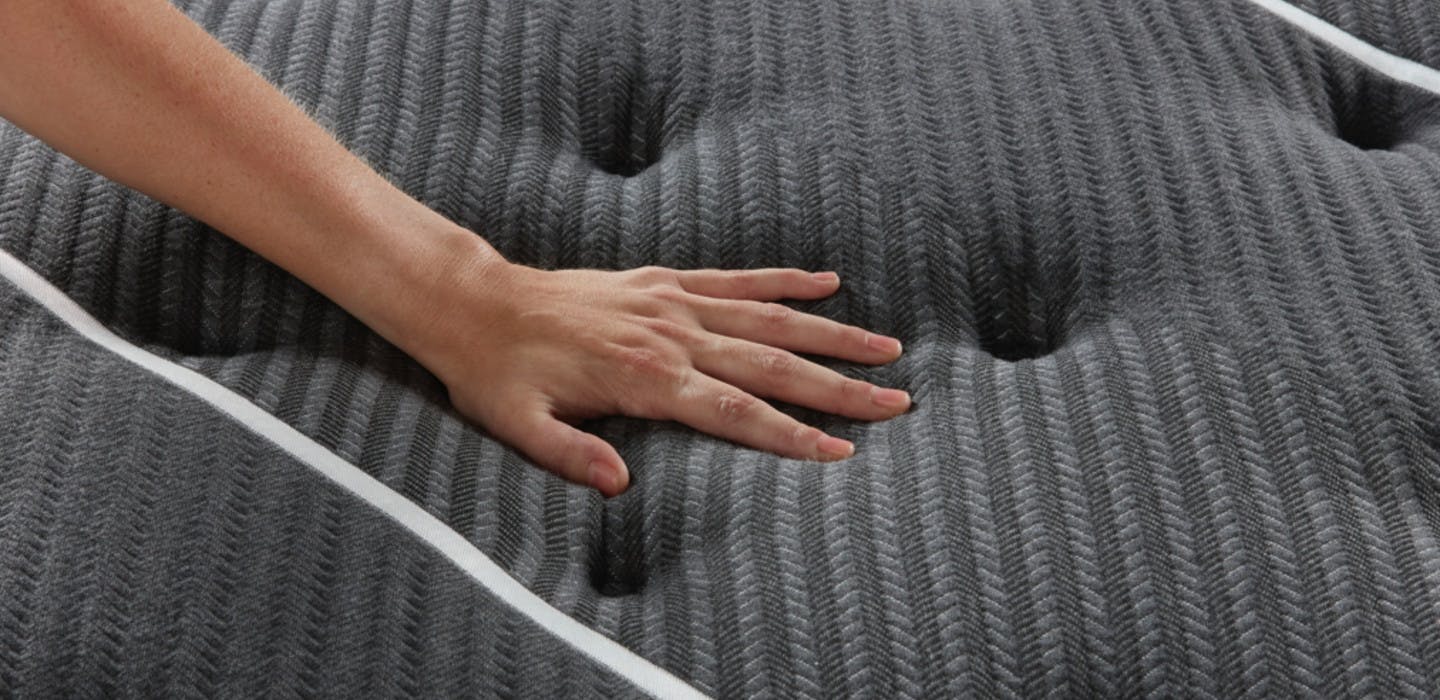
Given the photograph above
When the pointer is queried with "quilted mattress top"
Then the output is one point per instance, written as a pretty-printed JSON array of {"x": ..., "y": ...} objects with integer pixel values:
[{"x": 1167, "y": 273}]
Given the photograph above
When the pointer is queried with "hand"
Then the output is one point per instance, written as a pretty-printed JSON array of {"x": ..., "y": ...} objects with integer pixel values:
[
  {"x": 529, "y": 353},
  {"x": 141, "y": 94}
]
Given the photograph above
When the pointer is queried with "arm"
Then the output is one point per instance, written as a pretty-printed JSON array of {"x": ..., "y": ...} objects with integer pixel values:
[
  {"x": 136, "y": 91},
  {"x": 141, "y": 94}
]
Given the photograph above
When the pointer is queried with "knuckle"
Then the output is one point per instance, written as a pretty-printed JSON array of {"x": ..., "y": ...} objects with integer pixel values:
[
  {"x": 646, "y": 305},
  {"x": 635, "y": 403},
  {"x": 645, "y": 363},
  {"x": 773, "y": 314},
  {"x": 735, "y": 407},
  {"x": 667, "y": 328},
  {"x": 651, "y": 395},
  {"x": 776, "y": 363},
  {"x": 653, "y": 278},
  {"x": 803, "y": 437},
  {"x": 655, "y": 274},
  {"x": 853, "y": 389},
  {"x": 670, "y": 294}
]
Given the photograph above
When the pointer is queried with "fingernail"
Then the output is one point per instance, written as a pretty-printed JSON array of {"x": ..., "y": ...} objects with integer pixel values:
[
  {"x": 602, "y": 477},
  {"x": 894, "y": 398},
  {"x": 825, "y": 276},
  {"x": 837, "y": 447},
  {"x": 883, "y": 343}
]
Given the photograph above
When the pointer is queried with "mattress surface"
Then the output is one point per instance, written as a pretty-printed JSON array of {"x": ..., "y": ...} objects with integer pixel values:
[{"x": 1167, "y": 274}]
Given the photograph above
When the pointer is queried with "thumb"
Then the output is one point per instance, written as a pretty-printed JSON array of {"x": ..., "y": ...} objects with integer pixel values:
[{"x": 558, "y": 447}]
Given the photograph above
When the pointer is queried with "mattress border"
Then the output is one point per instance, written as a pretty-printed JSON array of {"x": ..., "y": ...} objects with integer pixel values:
[
  {"x": 644, "y": 674},
  {"x": 1397, "y": 67}
]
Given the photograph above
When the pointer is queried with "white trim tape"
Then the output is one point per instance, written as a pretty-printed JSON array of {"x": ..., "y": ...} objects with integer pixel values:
[
  {"x": 605, "y": 651},
  {"x": 1402, "y": 69}
]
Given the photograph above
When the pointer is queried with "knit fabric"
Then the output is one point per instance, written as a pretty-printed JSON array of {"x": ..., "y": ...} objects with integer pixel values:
[{"x": 1167, "y": 273}]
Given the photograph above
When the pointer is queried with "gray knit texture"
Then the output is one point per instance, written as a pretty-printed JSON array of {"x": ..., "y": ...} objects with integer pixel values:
[{"x": 1167, "y": 273}]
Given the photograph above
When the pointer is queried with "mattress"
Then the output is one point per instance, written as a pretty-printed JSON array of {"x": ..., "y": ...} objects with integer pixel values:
[{"x": 1167, "y": 273}]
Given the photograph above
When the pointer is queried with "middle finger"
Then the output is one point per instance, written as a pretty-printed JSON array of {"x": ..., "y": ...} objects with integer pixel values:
[
  {"x": 775, "y": 373},
  {"x": 775, "y": 324}
]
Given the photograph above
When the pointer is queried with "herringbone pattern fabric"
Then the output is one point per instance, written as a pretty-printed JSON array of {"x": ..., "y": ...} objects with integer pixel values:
[
  {"x": 150, "y": 550},
  {"x": 1167, "y": 273}
]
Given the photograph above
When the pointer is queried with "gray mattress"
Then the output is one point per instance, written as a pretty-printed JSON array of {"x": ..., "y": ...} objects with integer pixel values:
[{"x": 1167, "y": 273}]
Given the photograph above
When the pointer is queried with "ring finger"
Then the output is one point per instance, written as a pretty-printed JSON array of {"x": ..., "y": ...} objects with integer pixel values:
[
  {"x": 775, "y": 373},
  {"x": 712, "y": 406}
]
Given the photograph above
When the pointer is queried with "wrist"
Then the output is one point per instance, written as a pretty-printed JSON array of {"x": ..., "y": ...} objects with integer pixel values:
[
  {"x": 393, "y": 262},
  {"x": 386, "y": 258},
  {"x": 441, "y": 275}
]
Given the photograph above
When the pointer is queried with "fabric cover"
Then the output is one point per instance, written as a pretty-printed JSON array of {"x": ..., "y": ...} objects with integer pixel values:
[{"x": 1167, "y": 274}]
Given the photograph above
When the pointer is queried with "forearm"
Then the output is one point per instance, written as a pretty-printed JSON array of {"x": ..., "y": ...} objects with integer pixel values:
[{"x": 139, "y": 93}]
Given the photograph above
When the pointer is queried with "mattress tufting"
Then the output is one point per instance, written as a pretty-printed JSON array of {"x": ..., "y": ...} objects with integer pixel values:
[{"x": 1167, "y": 273}]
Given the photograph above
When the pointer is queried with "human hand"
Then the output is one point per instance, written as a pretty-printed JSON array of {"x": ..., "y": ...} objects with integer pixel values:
[
  {"x": 529, "y": 353},
  {"x": 526, "y": 353}
]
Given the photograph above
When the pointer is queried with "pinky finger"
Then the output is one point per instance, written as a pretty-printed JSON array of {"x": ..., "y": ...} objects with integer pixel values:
[{"x": 712, "y": 406}]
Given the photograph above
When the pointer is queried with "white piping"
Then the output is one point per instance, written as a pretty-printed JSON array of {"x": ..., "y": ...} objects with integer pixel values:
[
  {"x": 605, "y": 651},
  {"x": 1402, "y": 69}
]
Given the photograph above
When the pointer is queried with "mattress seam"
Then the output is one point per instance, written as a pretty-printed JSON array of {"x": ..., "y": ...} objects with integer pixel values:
[
  {"x": 641, "y": 672},
  {"x": 1397, "y": 67}
]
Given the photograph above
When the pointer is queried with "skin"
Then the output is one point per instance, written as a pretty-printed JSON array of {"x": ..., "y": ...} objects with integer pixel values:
[{"x": 136, "y": 91}]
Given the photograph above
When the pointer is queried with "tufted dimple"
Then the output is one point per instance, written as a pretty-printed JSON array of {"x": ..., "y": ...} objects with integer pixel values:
[
  {"x": 618, "y": 131},
  {"x": 1374, "y": 113},
  {"x": 617, "y": 562},
  {"x": 621, "y": 108},
  {"x": 1368, "y": 112},
  {"x": 1025, "y": 307},
  {"x": 1369, "y": 106},
  {"x": 1166, "y": 274},
  {"x": 1369, "y": 125}
]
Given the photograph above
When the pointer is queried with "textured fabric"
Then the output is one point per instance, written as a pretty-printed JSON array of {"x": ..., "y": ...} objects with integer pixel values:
[
  {"x": 152, "y": 549},
  {"x": 1167, "y": 274}
]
